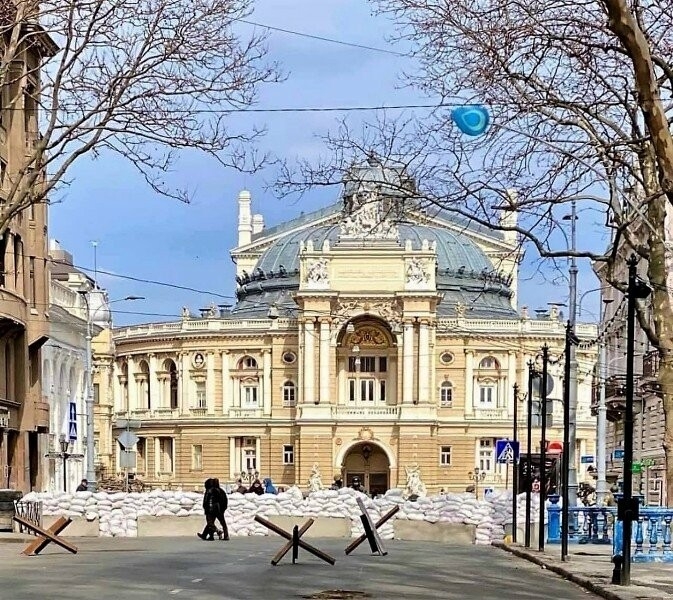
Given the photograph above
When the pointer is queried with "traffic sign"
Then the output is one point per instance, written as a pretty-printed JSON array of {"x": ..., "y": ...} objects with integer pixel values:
[
  {"x": 587, "y": 459},
  {"x": 127, "y": 439},
  {"x": 127, "y": 459},
  {"x": 618, "y": 454},
  {"x": 72, "y": 431},
  {"x": 507, "y": 451}
]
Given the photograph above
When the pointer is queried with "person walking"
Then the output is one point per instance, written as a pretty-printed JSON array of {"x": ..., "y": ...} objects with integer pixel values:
[
  {"x": 211, "y": 508},
  {"x": 222, "y": 503}
]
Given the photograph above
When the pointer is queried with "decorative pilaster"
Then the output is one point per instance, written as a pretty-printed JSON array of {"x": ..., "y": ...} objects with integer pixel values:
[
  {"x": 258, "y": 454},
  {"x": 469, "y": 382},
  {"x": 266, "y": 382},
  {"x": 324, "y": 362},
  {"x": 131, "y": 385},
  {"x": 210, "y": 382},
  {"x": 423, "y": 362},
  {"x": 154, "y": 383},
  {"x": 511, "y": 380},
  {"x": 408, "y": 363},
  {"x": 227, "y": 392},
  {"x": 309, "y": 362},
  {"x": 232, "y": 459},
  {"x": 157, "y": 455},
  {"x": 183, "y": 387},
  {"x": 117, "y": 395}
]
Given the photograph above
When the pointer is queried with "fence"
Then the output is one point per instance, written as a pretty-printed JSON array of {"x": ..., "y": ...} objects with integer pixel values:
[{"x": 31, "y": 512}]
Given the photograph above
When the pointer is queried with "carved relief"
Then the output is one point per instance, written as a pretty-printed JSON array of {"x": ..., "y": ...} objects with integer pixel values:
[
  {"x": 417, "y": 272},
  {"x": 316, "y": 273},
  {"x": 387, "y": 310},
  {"x": 367, "y": 337},
  {"x": 365, "y": 219}
]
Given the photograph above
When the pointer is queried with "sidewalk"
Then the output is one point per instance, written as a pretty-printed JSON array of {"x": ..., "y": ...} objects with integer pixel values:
[{"x": 590, "y": 566}]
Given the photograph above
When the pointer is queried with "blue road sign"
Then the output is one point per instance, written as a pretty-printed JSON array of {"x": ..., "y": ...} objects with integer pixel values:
[
  {"x": 618, "y": 454},
  {"x": 506, "y": 451},
  {"x": 72, "y": 425},
  {"x": 587, "y": 459}
]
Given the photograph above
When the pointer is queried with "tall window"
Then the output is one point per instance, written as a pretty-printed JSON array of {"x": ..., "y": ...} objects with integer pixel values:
[
  {"x": 201, "y": 397},
  {"x": 445, "y": 456},
  {"x": 249, "y": 459},
  {"x": 486, "y": 454},
  {"x": 166, "y": 455},
  {"x": 288, "y": 454},
  {"x": 144, "y": 385},
  {"x": 249, "y": 396},
  {"x": 33, "y": 283},
  {"x": 172, "y": 383},
  {"x": 446, "y": 395},
  {"x": 3, "y": 265},
  {"x": 197, "y": 457},
  {"x": 141, "y": 455},
  {"x": 289, "y": 394},
  {"x": 96, "y": 393},
  {"x": 368, "y": 378},
  {"x": 487, "y": 393},
  {"x": 18, "y": 255}
]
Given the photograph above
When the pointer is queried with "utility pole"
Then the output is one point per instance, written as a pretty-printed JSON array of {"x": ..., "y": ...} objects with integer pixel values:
[
  {"x": 570, "y": 341},
  {"x": 572, "y": 381},
  {"x": 543, "y": 447},
  {"x": 90, "y": 431}
]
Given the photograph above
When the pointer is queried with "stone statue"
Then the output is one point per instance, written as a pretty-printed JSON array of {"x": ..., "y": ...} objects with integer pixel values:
[
  {"x": 369, "y": 222},
  {"x": 461, "y": 309},
  {"x": 315, "y": 480},
  {"x": 212, "y": 310},
  {"x": 415, "y": 488},
  {"x": 317, "y": 272},
  {"x": 416, "y": 272},
  {"x": 185, "y": 313}
]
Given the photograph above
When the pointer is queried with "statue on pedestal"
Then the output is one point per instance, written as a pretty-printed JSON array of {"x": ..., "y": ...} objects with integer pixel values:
[
  {"x": 315, "y": 480},
  {"x": 415, "y": 488}
]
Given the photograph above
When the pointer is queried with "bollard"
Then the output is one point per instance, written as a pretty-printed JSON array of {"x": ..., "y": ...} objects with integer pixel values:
[{"x": 617, "y": 571}]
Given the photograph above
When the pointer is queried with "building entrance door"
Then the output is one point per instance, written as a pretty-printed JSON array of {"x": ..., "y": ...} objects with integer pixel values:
[{"x": 369, "y": 463}]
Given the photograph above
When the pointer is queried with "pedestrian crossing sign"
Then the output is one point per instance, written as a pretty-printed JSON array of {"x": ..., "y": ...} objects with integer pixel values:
[
  {"x": 72, "y": 431},
  {"x": 507, "y": 451}
]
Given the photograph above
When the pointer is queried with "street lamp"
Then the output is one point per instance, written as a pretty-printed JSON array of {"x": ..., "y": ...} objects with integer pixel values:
[
  {"x": 65, "y": 455},
  {"x": 477, "y": 475},
  {"x": 90, "y": 446}
]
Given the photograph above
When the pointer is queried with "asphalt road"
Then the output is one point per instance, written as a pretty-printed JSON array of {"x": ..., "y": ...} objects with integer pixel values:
[{"x": 185, "y": 568}]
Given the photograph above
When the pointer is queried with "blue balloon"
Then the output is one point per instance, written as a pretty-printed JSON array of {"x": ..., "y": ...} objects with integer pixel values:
[{"x": 471, "y": 120}]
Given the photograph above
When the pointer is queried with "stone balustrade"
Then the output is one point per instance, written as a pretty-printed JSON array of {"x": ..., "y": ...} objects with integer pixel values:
[{"x": 650, "y": 536}]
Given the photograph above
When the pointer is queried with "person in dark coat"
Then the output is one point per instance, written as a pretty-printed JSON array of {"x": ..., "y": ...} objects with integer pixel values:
[
  {"x": 211, "y": 508},
  {"x": 256, "y": 488},
  {"x": 82, "y": 487},
  {"x": 222, "y": 502}
]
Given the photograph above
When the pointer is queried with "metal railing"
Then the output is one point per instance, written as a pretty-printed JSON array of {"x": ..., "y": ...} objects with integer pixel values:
[{"x": 31, "y": 512}]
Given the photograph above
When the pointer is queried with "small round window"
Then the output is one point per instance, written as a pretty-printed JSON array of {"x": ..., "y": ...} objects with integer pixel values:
[
  {"x": 289, "y": 357},
  {"x": 446, "y": 358}
]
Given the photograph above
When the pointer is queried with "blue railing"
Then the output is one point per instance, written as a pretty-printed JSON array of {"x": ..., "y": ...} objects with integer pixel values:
[
  {"x": 588, "y": 524},
  {"x": 651, "y": 536}
]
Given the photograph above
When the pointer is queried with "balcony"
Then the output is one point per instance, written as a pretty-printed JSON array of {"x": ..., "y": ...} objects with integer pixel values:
[
  {"x": 201, "y": 411},
  {"x": 245, "y": 413},
  {"x": 388, "y": 413},
  {"x": 165, "y": 413},
  {"x": 489, "y": 414}
]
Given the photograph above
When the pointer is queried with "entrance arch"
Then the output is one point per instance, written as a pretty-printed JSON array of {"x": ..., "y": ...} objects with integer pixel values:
[{"x": 370, "y": 463}]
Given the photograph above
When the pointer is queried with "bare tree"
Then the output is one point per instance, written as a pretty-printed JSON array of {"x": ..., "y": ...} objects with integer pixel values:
[
  {"x": 142, "y": 79},
  {"x": 580, "y": 95}
]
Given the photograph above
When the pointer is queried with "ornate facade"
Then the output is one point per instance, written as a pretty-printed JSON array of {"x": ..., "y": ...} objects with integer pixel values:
[{"x": 368, "y": 338}]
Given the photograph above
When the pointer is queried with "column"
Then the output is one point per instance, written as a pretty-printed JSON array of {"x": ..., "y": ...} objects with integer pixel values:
[
  {"x": 157, "y": 455},
  {"x": 423, "y": 362},
  {"x": 117, "y": 396},
  {"x": 154, "y": 383},
  {"x": 258, "y": 455},
  {"x": 226, "y": 387},
  {"x": 232, "y": 458},
  {"x": 183, "y": 387},
  {"x": 408, "y": 363},
  {"x": 131, "y": 384},
  {"x": 210, "y": 382},
  {"x": 511, "y": 380},
  {"x": 324, "y": 362},
  {"x": 469, "y": 382},
  {"x": 309, "y": 363},
  {"x": 266, "y": 382}
]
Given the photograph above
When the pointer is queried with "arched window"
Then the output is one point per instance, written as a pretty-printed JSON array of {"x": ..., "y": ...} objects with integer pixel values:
[
  {"x": 124, "y": 383},
  {"x": 144, "y": 387},
  {"x": 490, "y": 362},
  {"x": 289, "y": 394},
  {"x": 446, "y": 395},
  {"x": 172, "y": 370},
  {"x": 247, "y": 362}
]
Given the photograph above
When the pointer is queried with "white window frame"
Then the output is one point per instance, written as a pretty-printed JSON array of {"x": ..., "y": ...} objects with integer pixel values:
[
  {"x": 249, "y": 459},
  {"x": 289, "y": 389},
  {"x": 250, "y": 396},
  {"x": 492, "y": 395},
  {"x": 162, "y": 454},
  {"x": 288, "y": 454},
  {"x": 446, "y": 389},
  {"x": 486, "y": 454},
  {"x": 201, "y": 394},
  {"x": 445, "y": 455},
  {"x": 197, "y": 457}
]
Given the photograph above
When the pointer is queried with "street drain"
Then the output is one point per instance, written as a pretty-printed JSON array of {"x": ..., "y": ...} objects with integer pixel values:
[{"x": 338, "y": 595}]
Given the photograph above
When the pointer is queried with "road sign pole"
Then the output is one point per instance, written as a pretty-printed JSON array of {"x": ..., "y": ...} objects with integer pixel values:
[{"x": 515, "y": 466}]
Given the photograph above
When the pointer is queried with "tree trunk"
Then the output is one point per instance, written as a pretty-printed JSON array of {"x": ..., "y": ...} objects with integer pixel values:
[{"x": 659, "y": 271}]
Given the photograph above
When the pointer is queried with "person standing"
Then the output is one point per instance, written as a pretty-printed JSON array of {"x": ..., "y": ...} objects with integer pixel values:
[
  {"x": 222, "y": 503},
  {"x": 211, "y": 508}
]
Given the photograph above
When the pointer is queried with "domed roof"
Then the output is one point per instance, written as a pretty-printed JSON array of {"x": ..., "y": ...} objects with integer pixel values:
[{"x": 464, "y": 275}]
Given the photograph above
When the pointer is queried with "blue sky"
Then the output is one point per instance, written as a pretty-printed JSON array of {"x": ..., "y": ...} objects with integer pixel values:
[{"x": 147, "y": 236}]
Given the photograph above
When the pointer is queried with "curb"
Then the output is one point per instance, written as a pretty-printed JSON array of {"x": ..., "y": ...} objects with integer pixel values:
[{"x": 583, "y": 582}]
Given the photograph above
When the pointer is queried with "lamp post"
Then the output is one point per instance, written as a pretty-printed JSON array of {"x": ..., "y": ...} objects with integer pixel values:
[
  {"x": 529, "y": 469},
  {"x": 477, "y": 475},
  {"x": 628, "y": 506},
  {"x": 90, "y": 431},
  {"x": 571, "y": 464},
  {"x": 65, "y": 455},
  {"x": 543, "y": 445},
  {"x": 515, "y": 462},
  {"x": 570, "y": 342}
]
